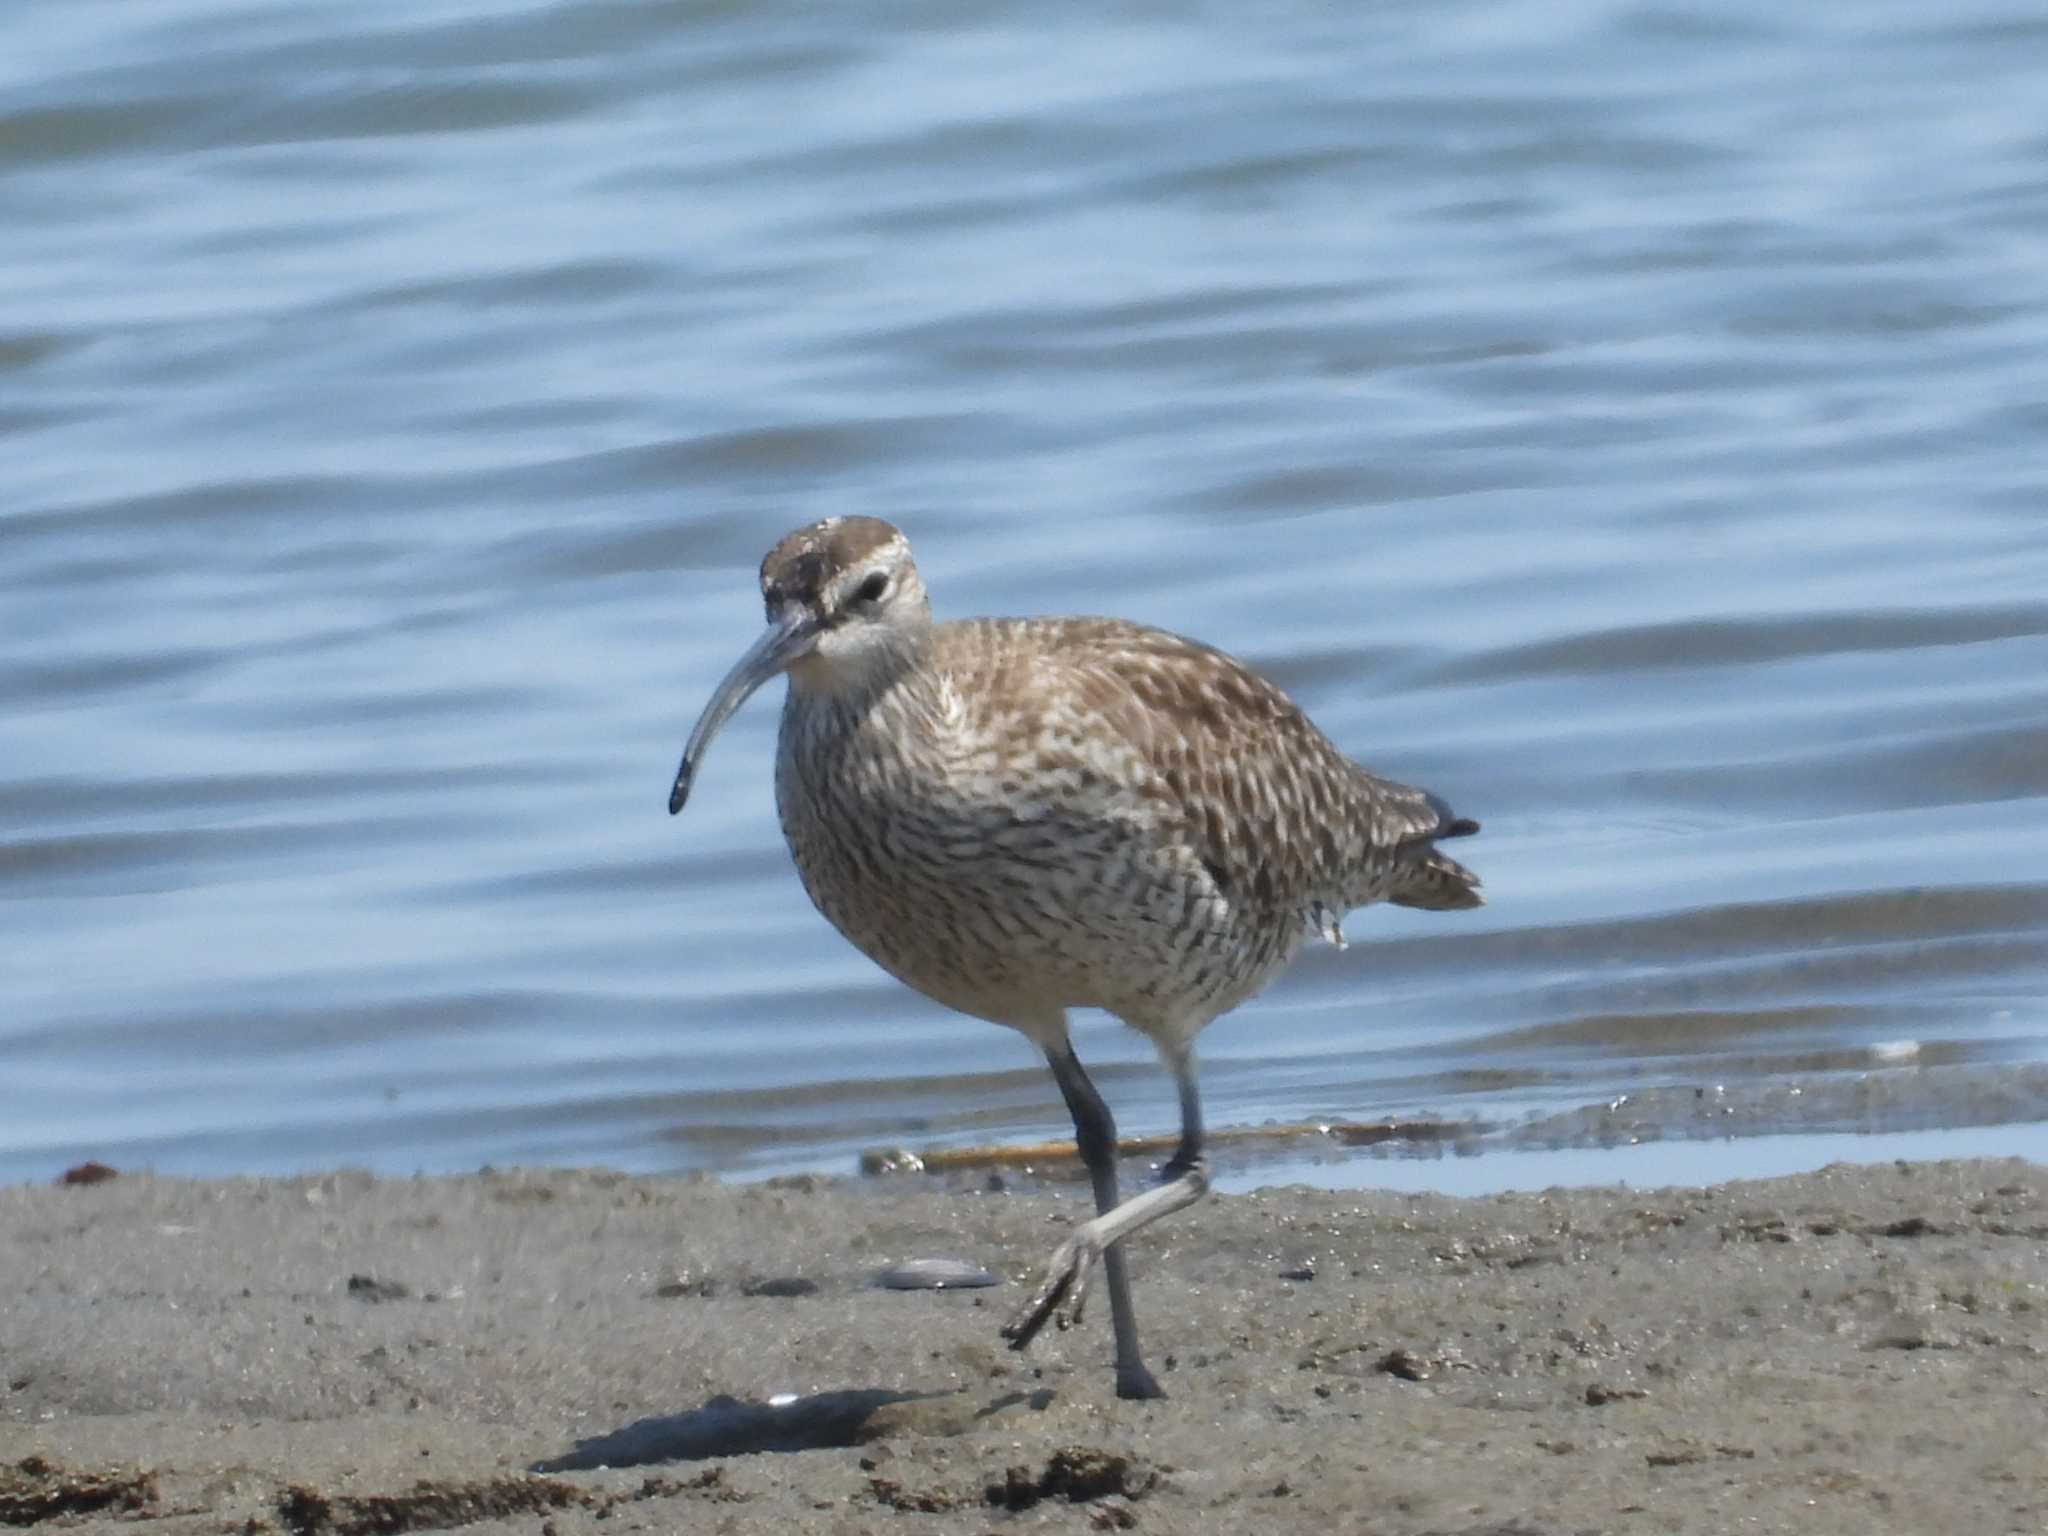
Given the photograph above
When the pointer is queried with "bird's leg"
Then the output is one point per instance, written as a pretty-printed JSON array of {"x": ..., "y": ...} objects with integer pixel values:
[
  {"x": 1189, "y": 1155},
  {"x": 1064, "y": 1288}
]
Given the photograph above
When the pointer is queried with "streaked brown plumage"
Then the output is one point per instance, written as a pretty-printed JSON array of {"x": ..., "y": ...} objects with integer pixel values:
[{"x": 1021, "y": 816}]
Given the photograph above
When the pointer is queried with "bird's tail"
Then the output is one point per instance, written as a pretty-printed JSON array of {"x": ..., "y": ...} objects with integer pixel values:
[{"x": 1432, "y": 879}]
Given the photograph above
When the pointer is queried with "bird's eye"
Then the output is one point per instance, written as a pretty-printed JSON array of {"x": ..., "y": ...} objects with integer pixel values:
[{"x": 872, "y": 589}]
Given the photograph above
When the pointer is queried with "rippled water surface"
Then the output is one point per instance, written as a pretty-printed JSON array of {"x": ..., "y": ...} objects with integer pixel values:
[{"x": 1627, "y": 420}]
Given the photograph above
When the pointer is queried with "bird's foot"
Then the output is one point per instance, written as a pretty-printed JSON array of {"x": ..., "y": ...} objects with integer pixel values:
[
  {"x": 1061, "y": 1294},
  {"x": 1136, "y": 1383},
  {"x": 1181, "y": 1163}
]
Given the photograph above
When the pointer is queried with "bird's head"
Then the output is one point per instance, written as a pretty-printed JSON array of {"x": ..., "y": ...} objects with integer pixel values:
[{"x": 845, "y": 605}]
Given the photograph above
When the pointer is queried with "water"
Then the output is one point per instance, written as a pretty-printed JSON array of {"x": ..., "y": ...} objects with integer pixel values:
[{"x": 1624, "y": 419}]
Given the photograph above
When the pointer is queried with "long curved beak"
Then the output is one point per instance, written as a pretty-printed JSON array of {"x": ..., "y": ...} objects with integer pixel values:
[{"x": 789, "y": 636}]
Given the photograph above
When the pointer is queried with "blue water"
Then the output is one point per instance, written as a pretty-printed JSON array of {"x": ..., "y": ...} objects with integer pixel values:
[{"x": 1626, "y": 420}]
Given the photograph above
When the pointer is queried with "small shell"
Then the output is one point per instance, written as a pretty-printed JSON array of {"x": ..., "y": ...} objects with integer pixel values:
[
  {"x": 878, "y": 1161},
  {"x": 934, "y": 1275}
]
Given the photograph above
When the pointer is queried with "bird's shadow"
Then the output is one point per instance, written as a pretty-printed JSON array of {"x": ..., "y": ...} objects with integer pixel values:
[{"x": 729, "y": 1426}]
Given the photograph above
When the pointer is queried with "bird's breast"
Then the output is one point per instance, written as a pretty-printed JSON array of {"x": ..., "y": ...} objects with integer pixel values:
[{"x": 994, "y": 876}]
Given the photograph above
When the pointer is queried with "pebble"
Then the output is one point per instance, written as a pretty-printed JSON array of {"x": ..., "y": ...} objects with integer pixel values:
[{"x": 780, "y": 1285}]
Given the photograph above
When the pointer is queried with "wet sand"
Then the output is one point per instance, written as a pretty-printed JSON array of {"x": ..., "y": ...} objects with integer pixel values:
[{"x": 1851, "y": 1350}]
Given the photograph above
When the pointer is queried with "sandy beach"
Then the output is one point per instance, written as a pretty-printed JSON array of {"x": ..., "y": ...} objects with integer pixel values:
[{"x": 1858, "y": 1349}]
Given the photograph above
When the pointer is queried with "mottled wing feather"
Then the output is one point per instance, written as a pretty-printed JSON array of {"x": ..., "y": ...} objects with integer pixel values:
[{"x": 1278, "y": 817}]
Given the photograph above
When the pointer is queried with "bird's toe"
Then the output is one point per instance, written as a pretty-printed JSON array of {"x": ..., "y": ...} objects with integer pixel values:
[
  {"x": 1061, "y": 1293},
  {"x": 1037, "y": 1311}
]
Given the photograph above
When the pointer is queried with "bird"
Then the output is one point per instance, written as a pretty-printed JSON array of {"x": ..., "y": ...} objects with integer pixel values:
[{"x": 1018, "y": 817}]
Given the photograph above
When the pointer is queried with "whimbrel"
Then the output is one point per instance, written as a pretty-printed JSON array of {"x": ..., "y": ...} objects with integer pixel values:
[{"x": 1021, "y": 816}]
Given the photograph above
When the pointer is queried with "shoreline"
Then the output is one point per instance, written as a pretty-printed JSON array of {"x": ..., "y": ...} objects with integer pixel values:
[
  {"x": 1652, "y": 1134},
  {"x": 1854, "y": 1348}
]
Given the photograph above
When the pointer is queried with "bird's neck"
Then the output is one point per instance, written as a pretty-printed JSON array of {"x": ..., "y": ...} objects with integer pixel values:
[{"x": 850, "y": 682}]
